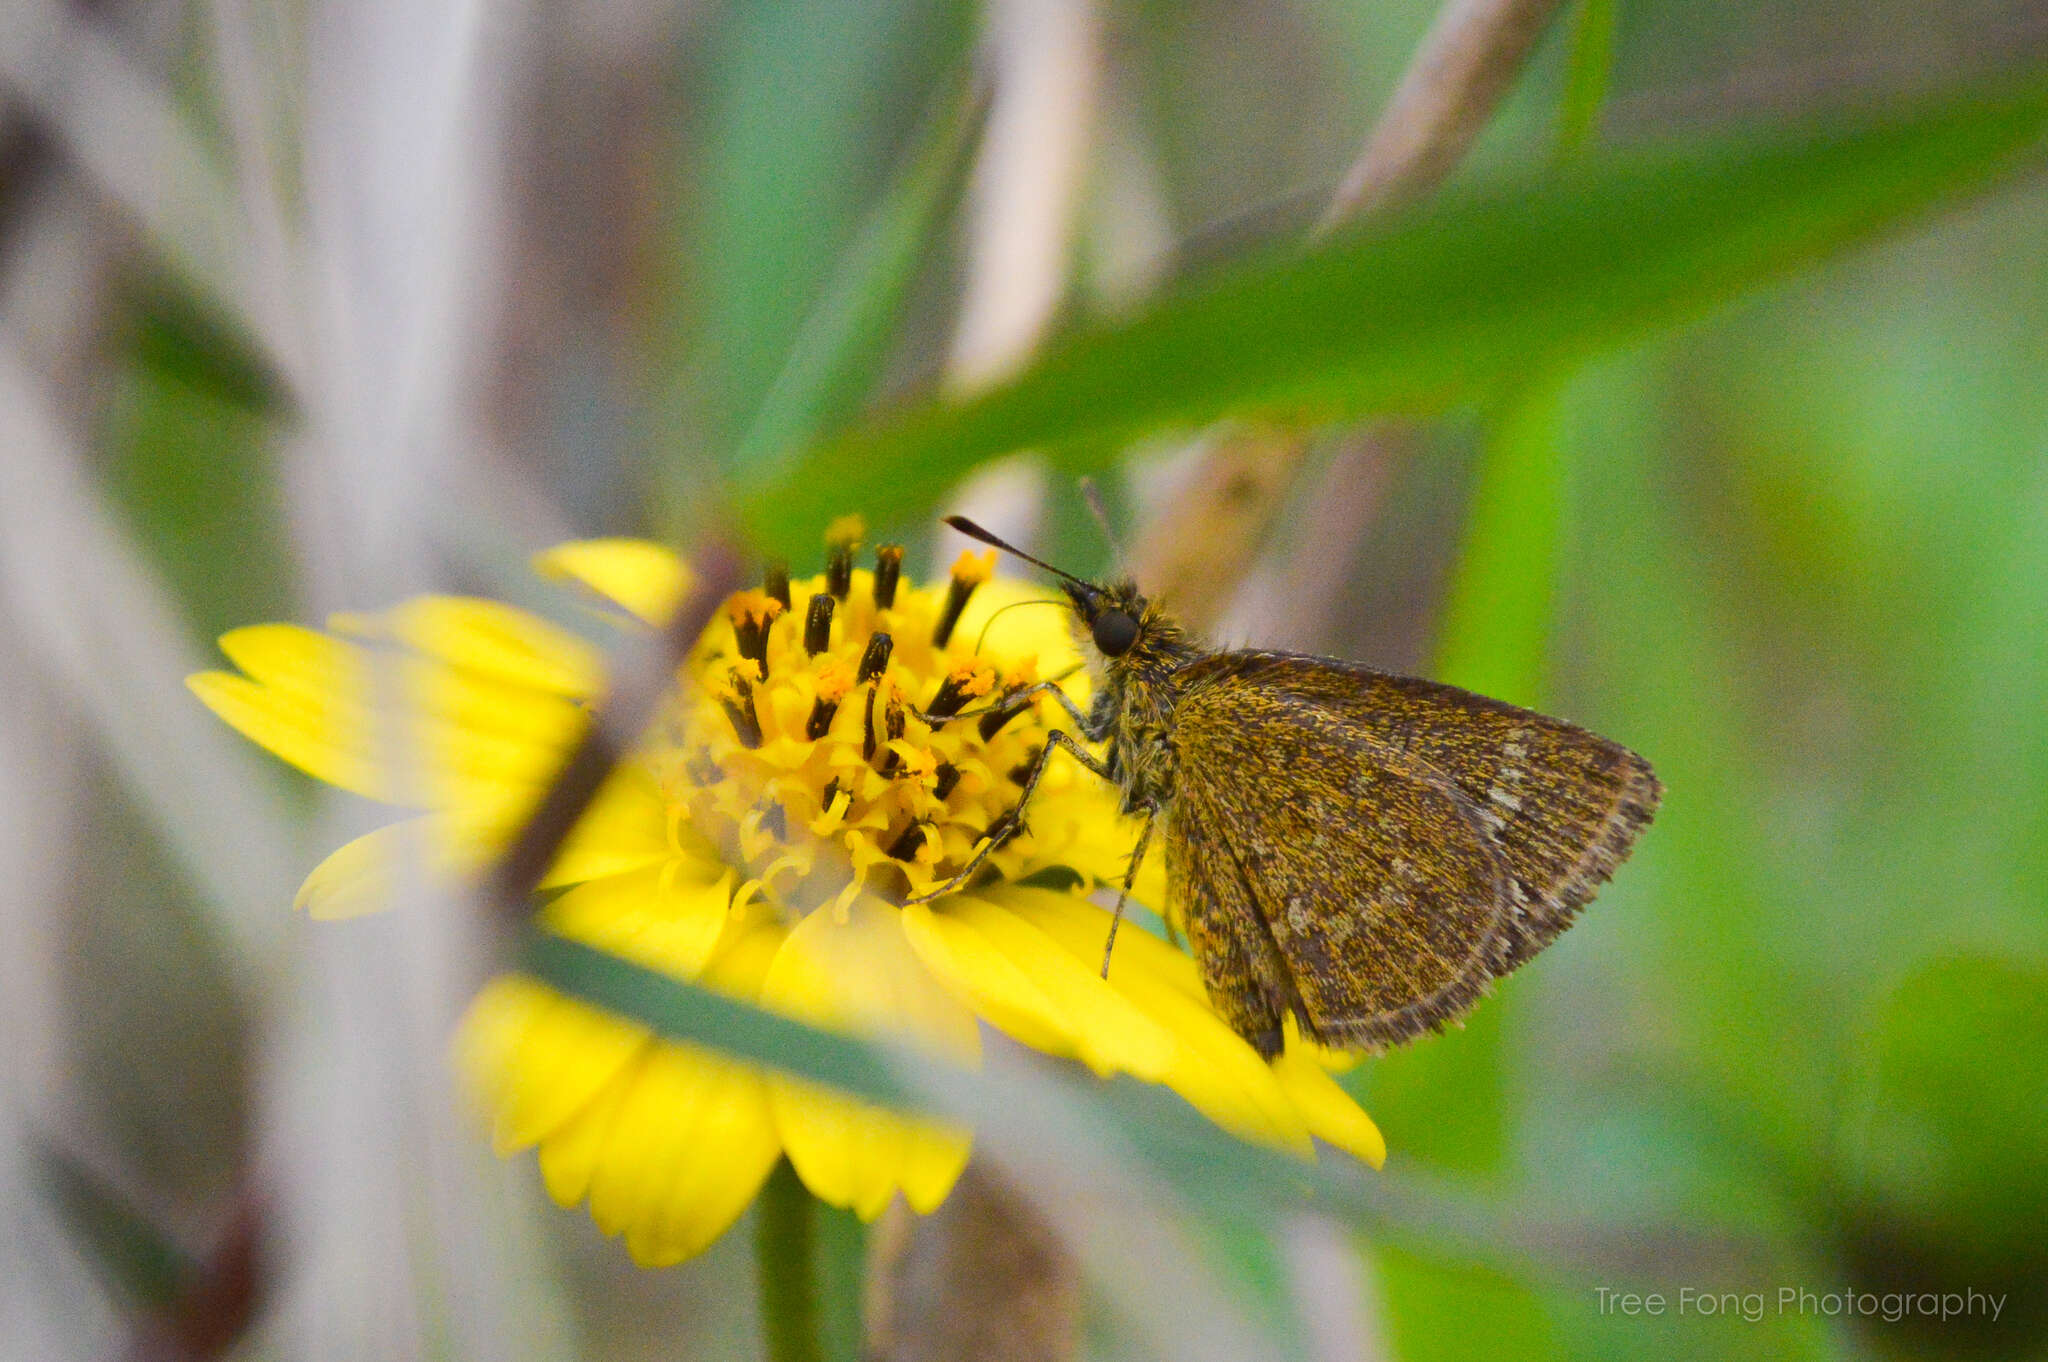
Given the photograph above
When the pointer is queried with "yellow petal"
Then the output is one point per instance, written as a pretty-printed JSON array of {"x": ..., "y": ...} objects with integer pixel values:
[
  {"x": 645, "y": 578},
  {"x": 1331, "y": 1114},
  {"x": 625, "y": 828},
  {"x": 1089, "y": 833},
  {"x": 360, "y": 876},
  {"x": 624, "y": 831},
  {"x": 482, "y": 739},
  {"x": 862, "y": 977},
  {"x": 691, "y": 1139},
  {"x": 569, "y": 1156},
  {"x": 1215, "y": 1070},
  {"x": 302, "y": 731},
  {"x": 669, "y": 1142},
  {"x": 491, "y": 637},
  {"x": 666, "y": 916},
  {"x": 477, "y": 741},
  {"x": 688, "y": 1147},
  {"x": 1020, "y": 980},
  {"x": 533, "y": 1058},
  {"x": 298, "y": 661}
]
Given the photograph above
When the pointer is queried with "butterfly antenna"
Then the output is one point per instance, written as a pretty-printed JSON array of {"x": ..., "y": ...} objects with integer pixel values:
[
  {"x": 1004, "y": 610},
  {"x": 974, "y": 531}
]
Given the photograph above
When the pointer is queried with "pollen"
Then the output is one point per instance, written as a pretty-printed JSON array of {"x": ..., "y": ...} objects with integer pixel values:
[
  {"x": 970, "y": 570},
  {"x": 974, "y": 568},
  {"x": 834, "y": 679},
  {"x": 838, "y": 743}
]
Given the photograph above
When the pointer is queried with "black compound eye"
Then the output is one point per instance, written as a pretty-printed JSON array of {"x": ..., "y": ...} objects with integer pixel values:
[{"x": 1114, "y": 632}]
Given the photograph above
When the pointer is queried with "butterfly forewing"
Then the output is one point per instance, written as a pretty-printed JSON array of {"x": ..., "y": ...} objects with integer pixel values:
[{"x": 1414, "y": 840}]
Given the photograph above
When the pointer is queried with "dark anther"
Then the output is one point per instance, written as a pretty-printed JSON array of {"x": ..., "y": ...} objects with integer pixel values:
[
  {"x": 949, "y": 776},
  {"x": 953, "y": 693},
  {"x": 753, "y": 643},
  {"x": 839, "y": 568},
  {"x": 908, "y": 842},
  {"x": 753, "y": 615},
  {"x": 822, "y": 710},
  {"x": 739, "y": 707},
  {"x": 992, "y": 722},
  {"x": 702, "y": 770},
  {"x": 775, "y": 822},
  {"x": 875, "y": 660},
  {"x": 970, "y": 680},
  {"x": 1021, "y": 772},
  {"x": 957, "y": 593},
  {"x": 777, "y": 584},
  {"x": 892, "y": 729},
  {"x": 888, "y": 571},
  {"x": 818, "y": 625},
  {"x": 831, "y": 793}
]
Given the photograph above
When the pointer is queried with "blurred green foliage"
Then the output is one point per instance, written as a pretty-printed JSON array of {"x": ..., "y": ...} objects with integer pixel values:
[
  {"x": 1796, "y": 553},
  {"x": 1447, "y": 303}
]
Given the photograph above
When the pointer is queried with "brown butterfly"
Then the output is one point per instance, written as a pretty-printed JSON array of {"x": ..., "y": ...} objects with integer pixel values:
[{"x": 1365, "y": 852}]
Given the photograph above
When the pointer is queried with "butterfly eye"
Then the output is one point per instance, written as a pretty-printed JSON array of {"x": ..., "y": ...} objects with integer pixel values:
[{"x": 1114, "y": 632}]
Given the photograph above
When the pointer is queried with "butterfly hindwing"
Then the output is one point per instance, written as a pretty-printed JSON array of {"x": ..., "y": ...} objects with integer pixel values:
[{"x": 1372, "y": 850}]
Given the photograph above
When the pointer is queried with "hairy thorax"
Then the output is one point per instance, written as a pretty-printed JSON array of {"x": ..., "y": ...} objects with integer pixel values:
[{"x": 1137, "y": 707}]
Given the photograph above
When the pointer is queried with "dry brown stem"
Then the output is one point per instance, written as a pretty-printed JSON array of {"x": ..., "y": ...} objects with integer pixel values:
[{"x": 1196, "y": 552}]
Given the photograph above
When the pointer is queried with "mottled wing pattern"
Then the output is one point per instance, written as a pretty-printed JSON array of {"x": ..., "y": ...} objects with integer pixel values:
[
  {"x": 1371, "y": 851},
  {"x": 1336, "y": 917}
]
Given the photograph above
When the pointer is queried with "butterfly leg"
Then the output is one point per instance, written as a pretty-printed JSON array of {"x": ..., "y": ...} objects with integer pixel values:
[
  {"x": 1006, "y": 826},
  {"x": 1090, "y": 728},
  {"x": 1123, "y": 893}
]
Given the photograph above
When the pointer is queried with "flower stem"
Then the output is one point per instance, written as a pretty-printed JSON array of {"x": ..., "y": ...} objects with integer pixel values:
[{"x": 786, "y": 1266}]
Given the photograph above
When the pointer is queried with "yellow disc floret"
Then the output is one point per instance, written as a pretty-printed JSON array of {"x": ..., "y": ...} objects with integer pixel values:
[{"x": 856, "y": 740}]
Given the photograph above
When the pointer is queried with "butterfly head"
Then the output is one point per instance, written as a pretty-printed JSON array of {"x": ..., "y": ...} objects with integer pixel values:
[
  {"x": 1116, "y": 619},
  {"x": 1128, "y": 631}
]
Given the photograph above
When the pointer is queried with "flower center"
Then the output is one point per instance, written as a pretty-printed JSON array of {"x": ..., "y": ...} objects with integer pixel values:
[{"x": 846, "y": 733}]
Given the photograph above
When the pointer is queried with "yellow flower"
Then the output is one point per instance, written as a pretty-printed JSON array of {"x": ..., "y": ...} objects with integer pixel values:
[{"x": 791, "y": 798}]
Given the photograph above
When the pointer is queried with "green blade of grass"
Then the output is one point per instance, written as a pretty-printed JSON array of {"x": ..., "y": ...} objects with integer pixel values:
[
  {"x": 1440, "y": 306},
  {"x": 1588, "y": 73},
  {"x": 840, "y": 351},
  {"x": 804, "y": 103},
  {"x": 1037, "y": 1112}
]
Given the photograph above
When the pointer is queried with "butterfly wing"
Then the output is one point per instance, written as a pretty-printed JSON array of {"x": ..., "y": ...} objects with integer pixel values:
[
  {"x": 1368, "y": 927},
  {"x": 1369, "y": 851}
]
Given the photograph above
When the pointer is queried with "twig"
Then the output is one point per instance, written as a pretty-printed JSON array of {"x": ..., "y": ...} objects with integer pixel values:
[
  {"x": 1456, "y": 80},
  {"x": 633, "y": 703},
  {"x": 1470, "y": 57}
]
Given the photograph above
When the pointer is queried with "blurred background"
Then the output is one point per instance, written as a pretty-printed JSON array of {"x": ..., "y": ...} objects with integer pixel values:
[{"x": 305, "y": 307}]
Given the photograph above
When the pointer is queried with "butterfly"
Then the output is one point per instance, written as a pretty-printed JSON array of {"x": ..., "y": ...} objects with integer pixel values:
[{"x": 1363, "y": 852}]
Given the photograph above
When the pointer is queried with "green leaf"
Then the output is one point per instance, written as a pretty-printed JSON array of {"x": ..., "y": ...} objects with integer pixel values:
[
  {"x": 807, "y": 101},
  {"x": 1451, "y": 1095},
  {"x": 1945, "y": 1136},
  {"x": 127, "y": 1246},
  {"x": 1439, "y": 1309},
  {"x": 186, "y": 431},
  {"x": 839, "y": 353},
  {"x": 681, "y": 1011},
  {"x": 1442, "y": 305},
  {"x": 1156, "y": 1124},
  {"x": 1503, "y": 591},
  {"x": 1587, "y": 76}
]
